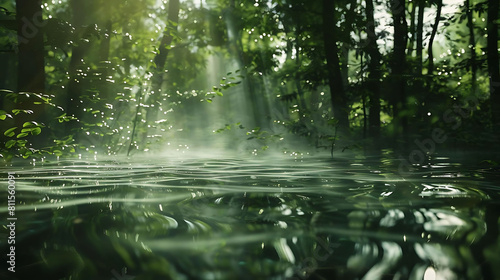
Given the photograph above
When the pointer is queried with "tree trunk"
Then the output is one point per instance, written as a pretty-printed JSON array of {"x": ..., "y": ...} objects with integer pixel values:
[
  {"x": 411, "y": 43},
  {"x": 82, "y": 18},
  {"x": 418, "y": 89},
  {"x": 104, "y": 49},
  {"x": 430, "y": 68},
  {"x": 374, "y": 72},
  {"x": 298, "y": 77},
  {"x": 398, "y": 66},
  {"x": 106, "y": 41},
  {"x": 160, "y": 61},
  {"x": 493, "y": 63},
  {"x": 420, "y": 31},
  {"x": 173, "y": 19},
  {"x": 164, "y": 48},
  {"x": 105, "y": 88},
  {"x": 472, "y": 44},
  {"x": 31, "y": 65},
  {"x": 337, "y": 92}
]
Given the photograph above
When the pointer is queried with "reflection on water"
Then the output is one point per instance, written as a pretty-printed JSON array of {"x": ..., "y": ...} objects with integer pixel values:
[{"x": 255, "y": 218}]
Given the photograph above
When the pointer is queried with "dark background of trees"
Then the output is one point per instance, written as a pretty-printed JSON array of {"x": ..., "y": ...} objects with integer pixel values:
[{"x": 120, "y": 75}]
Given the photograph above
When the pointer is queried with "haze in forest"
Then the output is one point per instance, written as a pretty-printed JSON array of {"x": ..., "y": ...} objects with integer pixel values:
[{"x": 254, "y": 77}]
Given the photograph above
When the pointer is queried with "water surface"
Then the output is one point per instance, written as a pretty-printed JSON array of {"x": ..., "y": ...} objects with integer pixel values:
[{"x": 298, "y": 217}]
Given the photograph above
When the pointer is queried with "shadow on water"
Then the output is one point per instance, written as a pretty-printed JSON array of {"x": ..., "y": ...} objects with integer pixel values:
[{"x": 256, "y": 218}]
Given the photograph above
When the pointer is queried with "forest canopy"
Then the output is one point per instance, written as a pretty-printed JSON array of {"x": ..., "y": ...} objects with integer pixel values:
[{"x": 119, "y": 77}]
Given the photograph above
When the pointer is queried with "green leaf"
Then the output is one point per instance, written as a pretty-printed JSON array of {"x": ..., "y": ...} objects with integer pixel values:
[
  {"x": 36, "y": 131},
  {"x": 27, "y": 124},
  {"x": 219, "y": 93},
  {"x": 21, "y": 135},
  {"x": 21, "y": 143},
  {"x": 28, "y": 152},
  {"x": 3, "y": 115},
  {"x": 10, "y": 132},
  {"x": 10, "y": 143}
]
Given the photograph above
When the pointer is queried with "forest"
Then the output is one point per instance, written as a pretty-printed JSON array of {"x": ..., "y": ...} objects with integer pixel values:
[{"x": 124, "y": 77}]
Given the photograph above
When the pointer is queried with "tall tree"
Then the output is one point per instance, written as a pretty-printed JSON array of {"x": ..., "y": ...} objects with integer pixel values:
[
  {"x": 104, "y": 50},
  {"x": 160, "y": 59},
  {"x": 398, "y": 65},
  {"x": 31, "y": 65},
  {"x": 493, "y": 63},
  {"x": 472, "y": 44},
  {"x": 297, "y": 10},
  {"x": 430, "y": 68},
  {"x": 374, "y": 71},
  {"x": 168, "y": 36},
  {"x": 411, "y": 30},
  {"x": 82, "y": 20},
  {"x": 31, "y": 73},
  {"x": 420, "y": 36},
  {"x": 337, "y": 91}
]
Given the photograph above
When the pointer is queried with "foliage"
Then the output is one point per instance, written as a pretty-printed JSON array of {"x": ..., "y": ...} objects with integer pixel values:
[
  {"x": 107, "y": 97},
  {"x": 20, "y": 141}
]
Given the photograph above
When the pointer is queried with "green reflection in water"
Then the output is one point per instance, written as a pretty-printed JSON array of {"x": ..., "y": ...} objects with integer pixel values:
[{"x": 279, "y": 218}]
